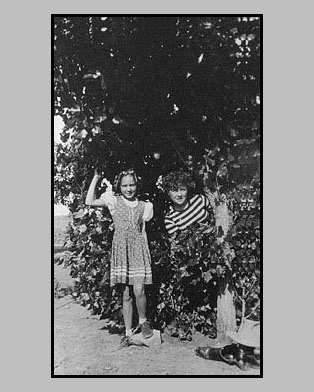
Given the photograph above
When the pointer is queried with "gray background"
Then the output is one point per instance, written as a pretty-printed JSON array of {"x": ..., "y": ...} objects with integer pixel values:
[{"x": 26, "y": 192}]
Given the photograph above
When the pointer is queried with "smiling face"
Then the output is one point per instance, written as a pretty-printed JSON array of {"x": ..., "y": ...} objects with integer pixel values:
[
  {"x": 179, "y": 196},
  {"x": 128, "y": 187}
]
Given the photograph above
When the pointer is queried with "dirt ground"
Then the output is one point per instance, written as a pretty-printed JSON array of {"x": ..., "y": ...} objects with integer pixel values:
[{"x": 83, "y": 347}]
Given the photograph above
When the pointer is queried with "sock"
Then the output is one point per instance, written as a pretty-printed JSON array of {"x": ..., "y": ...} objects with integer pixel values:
[
  {"x": 128, "y": 332},
  {"x": 142, "y": 320}
]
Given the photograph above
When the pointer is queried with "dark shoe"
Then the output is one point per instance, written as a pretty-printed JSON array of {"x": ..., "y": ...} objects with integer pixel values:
[
  {"x": 147, "y": 332},
  {"x": 234, "y": 355},
  {"x": 208, "y": 353}
]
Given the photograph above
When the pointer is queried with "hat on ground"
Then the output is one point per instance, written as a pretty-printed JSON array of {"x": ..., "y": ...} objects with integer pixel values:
[{"x": 248, "y": 334}]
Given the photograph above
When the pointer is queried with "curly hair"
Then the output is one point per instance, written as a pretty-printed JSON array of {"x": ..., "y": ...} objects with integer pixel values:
[
  {"x": 176, "y": 179},
  {"x": 118, "y": 179}
]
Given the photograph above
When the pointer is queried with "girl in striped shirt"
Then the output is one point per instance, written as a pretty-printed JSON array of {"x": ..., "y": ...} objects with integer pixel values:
[{"x": 186, "y": 209}]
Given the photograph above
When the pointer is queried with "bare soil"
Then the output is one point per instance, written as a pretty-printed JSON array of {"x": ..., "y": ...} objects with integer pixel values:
[{"x": 83, "y": 347}]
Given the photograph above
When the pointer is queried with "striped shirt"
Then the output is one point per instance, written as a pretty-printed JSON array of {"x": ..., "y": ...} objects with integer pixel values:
[{"x": 195, "y": 211}]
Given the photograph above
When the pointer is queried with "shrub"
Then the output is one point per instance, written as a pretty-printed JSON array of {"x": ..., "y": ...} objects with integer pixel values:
[{"x": 189, "y": 272}]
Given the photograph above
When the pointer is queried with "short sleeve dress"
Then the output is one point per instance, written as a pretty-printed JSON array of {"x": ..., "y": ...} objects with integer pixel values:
[{"x": 130, "y": 256}]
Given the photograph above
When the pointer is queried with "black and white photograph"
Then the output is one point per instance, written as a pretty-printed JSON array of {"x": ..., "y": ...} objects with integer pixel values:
[{"x": 157, "y": 195}]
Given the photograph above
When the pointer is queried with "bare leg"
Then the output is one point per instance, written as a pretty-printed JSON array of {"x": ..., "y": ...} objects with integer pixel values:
[
  {"x": 140, "y": 297},
  {"x": 127, "y": 308}
]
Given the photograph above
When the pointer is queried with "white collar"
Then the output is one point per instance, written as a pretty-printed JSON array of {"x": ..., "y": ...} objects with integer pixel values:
[{"x": 130, "y": 203}]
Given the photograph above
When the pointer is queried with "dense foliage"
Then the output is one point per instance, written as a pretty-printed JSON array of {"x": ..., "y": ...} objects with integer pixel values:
[{"x": 159, "y": 93}]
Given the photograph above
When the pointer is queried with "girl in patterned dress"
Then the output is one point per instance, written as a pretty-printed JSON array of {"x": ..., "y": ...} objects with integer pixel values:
[{"x": 130, "y": 258}]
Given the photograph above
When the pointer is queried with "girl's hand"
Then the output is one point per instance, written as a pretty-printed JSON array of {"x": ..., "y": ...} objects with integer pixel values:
[
  {"x": 97, "y": 174},
  {"x": 107, "y": 183}
]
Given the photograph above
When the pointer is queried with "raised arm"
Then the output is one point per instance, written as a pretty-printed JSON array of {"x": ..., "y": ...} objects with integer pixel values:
[{"x": 90, "y": 197}]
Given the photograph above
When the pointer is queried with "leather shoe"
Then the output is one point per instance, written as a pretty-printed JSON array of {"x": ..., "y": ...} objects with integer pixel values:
[{"x": 208, "y": 353}]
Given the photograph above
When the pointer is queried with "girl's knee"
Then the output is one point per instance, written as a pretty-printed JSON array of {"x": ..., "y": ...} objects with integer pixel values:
[
  {"x": 127, "y": 295},
  {"x": 139, "y": 290}
]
